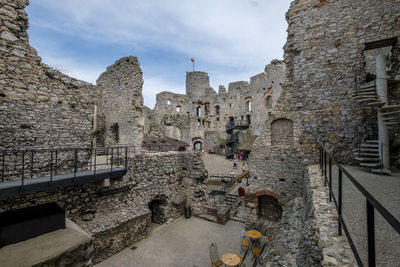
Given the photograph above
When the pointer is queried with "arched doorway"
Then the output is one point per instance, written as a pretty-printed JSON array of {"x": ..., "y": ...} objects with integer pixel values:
[
  {"x": 159, "y": 210},
  {"x": 269, "y": 208},
  {"x": 197, "y": 145}
]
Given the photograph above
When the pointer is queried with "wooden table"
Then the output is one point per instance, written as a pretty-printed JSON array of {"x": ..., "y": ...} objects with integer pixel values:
[
  {"x": 231, "y": 259},
  {"x": 254, "y": 234}
]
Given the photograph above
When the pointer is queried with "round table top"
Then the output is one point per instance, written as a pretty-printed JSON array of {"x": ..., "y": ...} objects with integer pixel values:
[
  {"x": 254, "y": 234},
  {"x": 231, "y": 259}
]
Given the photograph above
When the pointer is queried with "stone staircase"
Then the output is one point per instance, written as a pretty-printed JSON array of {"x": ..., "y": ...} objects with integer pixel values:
[
  {"x": 391, "y": 114},
  {"x": 366, "y": 95},
  {"x": 100, "y": 149},
  {"x": 368, "y": 153}
]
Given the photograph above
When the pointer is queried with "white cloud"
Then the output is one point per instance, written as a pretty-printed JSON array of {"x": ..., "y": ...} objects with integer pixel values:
[{"x": 239, "y": 35}]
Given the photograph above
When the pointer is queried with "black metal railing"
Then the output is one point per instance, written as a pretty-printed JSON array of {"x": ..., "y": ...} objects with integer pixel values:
[
  {"x": 237, "y": 124},
  {"x": 35, "y": 163},
  {"x": 326, "y": 160},
  {"x": 233, "y": 139}
]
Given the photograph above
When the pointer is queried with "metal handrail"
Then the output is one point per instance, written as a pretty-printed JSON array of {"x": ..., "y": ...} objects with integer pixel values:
[
  {"x": 371, "y": 205},
  {"x": 54, "y": 161}
]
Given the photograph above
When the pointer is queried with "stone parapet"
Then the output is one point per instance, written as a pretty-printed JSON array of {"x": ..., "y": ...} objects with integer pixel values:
[{"x": 320, "y": 243}]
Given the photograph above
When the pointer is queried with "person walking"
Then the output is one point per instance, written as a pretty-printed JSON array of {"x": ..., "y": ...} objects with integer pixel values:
[
  {"x": 244, "y": 166},
  {"x": 235, "y": 163}
]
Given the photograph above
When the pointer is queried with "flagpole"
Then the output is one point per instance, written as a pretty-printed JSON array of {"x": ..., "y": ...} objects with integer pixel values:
[{"x": 193, "y": 65}]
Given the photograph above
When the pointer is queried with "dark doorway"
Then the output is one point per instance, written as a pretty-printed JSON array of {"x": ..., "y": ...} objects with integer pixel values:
[
  {"x": 198, "y": 146},
  {"x": 269, "y": 208},
  {"x": 114, "y": 128},
  {"x": 159, "y": 211}
]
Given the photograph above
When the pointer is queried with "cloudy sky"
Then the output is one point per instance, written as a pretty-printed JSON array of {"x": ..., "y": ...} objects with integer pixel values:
[{"x": 230, "y": 39}]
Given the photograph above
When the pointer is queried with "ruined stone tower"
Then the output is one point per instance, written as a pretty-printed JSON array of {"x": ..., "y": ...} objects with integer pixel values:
[{"x": 196, "y": 84}]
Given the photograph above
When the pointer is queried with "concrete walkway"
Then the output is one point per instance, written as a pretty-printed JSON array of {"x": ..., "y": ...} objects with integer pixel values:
[
  {"x": 181, "y": 243},
  {"x": 386, "y": 189}
]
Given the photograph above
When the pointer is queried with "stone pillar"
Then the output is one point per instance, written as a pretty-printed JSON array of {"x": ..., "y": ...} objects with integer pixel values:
[{"x": 381, "y": 90}]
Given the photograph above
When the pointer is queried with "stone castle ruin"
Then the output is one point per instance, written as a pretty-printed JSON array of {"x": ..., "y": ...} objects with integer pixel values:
[
  {"x": 200, "y": 117},
  {"x": 337, "y": 87}
]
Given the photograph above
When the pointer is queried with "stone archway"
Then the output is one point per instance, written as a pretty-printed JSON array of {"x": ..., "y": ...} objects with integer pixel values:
[
  {"x": 197, "y": 144},
  {"x": 265, "y": 205},
  {"x": 160, "y": 211},
  {"x": 269, "y": 208}
]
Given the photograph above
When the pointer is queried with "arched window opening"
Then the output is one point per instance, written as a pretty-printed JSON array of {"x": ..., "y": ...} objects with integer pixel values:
[
  {"x": 178, "y": 108},
  {"x": 169, "y": 102},
  {"x": 248, "y": 105},
  {"x": 198, "y": 111}
]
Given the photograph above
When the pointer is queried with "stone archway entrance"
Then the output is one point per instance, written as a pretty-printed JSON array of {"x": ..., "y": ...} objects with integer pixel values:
[
  {"x": 198, "y": 145},
  {"x": 159, "y": 210},
  {"x": 269, "y": 208}
]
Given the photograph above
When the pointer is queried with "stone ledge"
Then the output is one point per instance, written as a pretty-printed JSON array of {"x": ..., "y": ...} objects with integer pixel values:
[
  {"x": 335, "y": 249},
  {"x": 65, "y": 247}
]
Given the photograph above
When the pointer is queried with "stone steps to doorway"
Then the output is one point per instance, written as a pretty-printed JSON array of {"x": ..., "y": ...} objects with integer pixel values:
[{"x": 208, "y": 217}]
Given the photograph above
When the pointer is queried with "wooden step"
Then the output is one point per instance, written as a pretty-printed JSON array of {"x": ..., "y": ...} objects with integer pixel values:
[
  {"x": 376, "y": 104},
  {"x": 365, "y": 97},
  {"x": 370, "y": 165},
  {"x": 371, "y": 142},
  {"x": 391, "y": 118},
  {"x": 367, "y": 150},
  {"x": 368, "y": 155},
  {"x": 364, "y": 100},
  {"x": 367, "y": 90},
  {"x": 368, "y": 159},
  {"x": 370, "y": 84},
  {"x": 390, "y": 107},
  {"x": 396, "y": 112},
  {"x": 392, "y": 123}
]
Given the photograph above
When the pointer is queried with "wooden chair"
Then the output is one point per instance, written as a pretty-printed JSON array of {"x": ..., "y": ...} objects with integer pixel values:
[
  {"x": 244, "y": 246},
  {"x": 215, "y": 260},
  {"x": 259, "y": 246}
]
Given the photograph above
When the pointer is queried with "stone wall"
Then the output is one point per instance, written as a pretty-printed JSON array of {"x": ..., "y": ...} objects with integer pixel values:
[
  {"x": 122, "y": 102},
  {"x": 117, "y": 214},
  {"x": 40, "y": 106},
  {"x": 324, "y": 49},
  {"x": 319, "y": 244},
  {"x": 202, "y": 112}
]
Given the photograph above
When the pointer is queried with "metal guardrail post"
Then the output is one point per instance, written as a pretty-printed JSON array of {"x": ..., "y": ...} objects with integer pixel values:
[
  {"x": 112, "y": 157},
  {"x": 32, "y": 164},
  {"x": 340, "y": 202},
  {"x": 22, "y": 170},
  {"x": 126, "y": 158},
  {"x": 4, "y": 166},
  {"x": 330, "y": 179},
  {"x": 56, "y": 161},
  {"x": 371, "y": 234},
  {"x": 51, "y": 166},
  {"x": 75, "y": 162},
  {"x": 355, "y": 81},
  {"x": 117, "y": 156},
  {"x": 94, "y": 165},
  {"x": 381, "y": 158},
  {"x": 324, "y": 168}
]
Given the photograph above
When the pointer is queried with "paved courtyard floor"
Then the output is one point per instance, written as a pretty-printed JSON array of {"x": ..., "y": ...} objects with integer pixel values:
[{"x": 181, "y": 243}]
